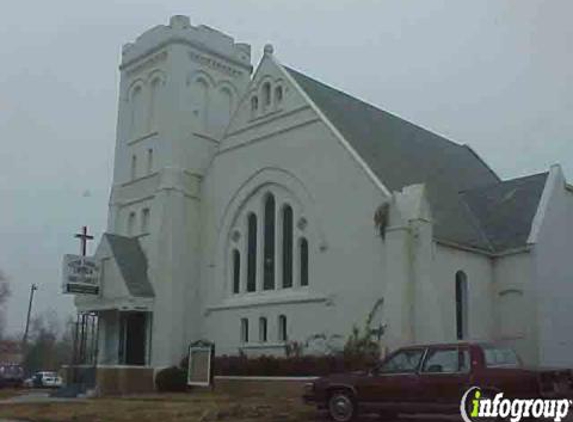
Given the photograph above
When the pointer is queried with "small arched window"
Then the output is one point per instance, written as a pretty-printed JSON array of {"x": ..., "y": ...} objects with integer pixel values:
[
  {"x": 266, "y": 94},
  {"x": 269, "y": 247},
  {"x": 252, "y": 253},
  {"x": 145, "y": 220},
  {"x": 244, "y": 330},
  {"x": 278, "y": 94},
  {"x": 149, "y": 161},
  {"x": 131, "y": 224},
  {"x": 283, "y": 333},
  {"x": 262, "y": 329},
  {"x": 461, "y": 305},
  {"x": 133, "y": 174},
  {"x": 254, "y": 105},
  {"x": 287, "y": 245},
  {"x": 236, "y": 271},
  {"x": 303, "y": 249}
]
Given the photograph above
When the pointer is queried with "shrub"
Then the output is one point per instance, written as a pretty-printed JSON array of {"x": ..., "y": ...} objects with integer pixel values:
[
  {"x": 171, "y": 379},
  {"x": 291, "y": 366}
]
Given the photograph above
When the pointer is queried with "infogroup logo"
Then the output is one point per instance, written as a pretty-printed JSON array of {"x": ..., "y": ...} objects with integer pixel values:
[{"x": 476, "y": 405}]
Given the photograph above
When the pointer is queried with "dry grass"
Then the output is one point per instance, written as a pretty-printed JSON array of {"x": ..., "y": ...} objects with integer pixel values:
[
  {"x": 196, "y": 406},
  {"x": 7, "y": 393}
]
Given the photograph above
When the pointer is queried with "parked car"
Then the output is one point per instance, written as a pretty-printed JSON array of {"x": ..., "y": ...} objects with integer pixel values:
[
  {"x": 433, "y": 379},
  {"x": 11, "y": 375},
  {"x": 47, "y": 379}
]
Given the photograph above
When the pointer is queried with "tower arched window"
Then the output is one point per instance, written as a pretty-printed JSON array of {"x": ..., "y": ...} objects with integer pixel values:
[
  {"x": 461, "y": 305},
  {"x": 266, "y": 94},
  {"x": 303, "y": 261},
  {"x": 287, "y": 226},
  {"x": 251, "y": 253},
  {"x": 269, "y": 246},
  {"x": 283, "y": 329},
  {"x": 136, "y": 105},
  {"x": 236, "y": 271},
  {"x": 154, "y": 103}
]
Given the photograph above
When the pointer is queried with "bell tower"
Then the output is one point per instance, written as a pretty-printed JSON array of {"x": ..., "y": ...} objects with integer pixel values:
[{"x": 179, "y": 86}]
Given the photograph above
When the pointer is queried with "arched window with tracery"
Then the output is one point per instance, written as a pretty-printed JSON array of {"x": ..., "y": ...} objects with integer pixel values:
[
  {"x": 287, "y": 226},
  {"x": 269, "y": 245},
  {"x": 251, "y": 253}
]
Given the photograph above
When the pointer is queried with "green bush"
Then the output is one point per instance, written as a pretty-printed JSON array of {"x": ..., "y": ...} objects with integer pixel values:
[{"x": 171, "y": 379}]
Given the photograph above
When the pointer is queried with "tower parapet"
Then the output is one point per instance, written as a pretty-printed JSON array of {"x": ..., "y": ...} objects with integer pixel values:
[{"x": 181, "y": 31}]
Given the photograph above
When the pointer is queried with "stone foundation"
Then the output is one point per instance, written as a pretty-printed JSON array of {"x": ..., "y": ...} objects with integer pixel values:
[{"x": 121, "y": 380}]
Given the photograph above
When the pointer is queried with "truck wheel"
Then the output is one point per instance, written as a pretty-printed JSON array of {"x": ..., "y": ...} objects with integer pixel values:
[{"x": 342, "y": 406}]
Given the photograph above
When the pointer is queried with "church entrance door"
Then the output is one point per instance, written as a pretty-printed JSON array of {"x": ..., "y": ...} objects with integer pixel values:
[{"x": 133, "y": 338}]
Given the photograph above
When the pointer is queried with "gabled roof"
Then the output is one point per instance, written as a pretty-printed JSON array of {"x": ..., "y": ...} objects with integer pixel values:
[
  {"x": 401, "y": 154},
  {"x": 506, "y": 210},
  {"x": 132, "y": 264}
]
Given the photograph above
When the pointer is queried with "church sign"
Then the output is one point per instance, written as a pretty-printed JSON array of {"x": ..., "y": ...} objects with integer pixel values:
[
  {"x": 80, "y": 275},
  {"x": 200, "y": 370}
]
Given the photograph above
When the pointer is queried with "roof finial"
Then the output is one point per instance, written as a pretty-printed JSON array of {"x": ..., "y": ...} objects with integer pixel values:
[{"x": 269, "y": 49}]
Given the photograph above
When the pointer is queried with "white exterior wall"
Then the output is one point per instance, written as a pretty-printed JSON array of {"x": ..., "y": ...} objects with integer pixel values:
[
  {"x": 298, "y": 153},
  {"x": 515, "y": 304},
  {"x": 479, "y": 274},
  {"x": 554, "y": 275}
]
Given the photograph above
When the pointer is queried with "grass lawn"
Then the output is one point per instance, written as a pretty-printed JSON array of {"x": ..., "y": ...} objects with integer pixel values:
[{"x": 201, "y": 406}]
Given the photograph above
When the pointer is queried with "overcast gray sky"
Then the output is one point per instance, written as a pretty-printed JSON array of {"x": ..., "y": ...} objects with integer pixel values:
[{"x": 495, "y": 74}]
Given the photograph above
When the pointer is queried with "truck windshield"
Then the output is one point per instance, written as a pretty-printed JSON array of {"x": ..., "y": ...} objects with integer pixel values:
[{"x": 500, "y": 356}]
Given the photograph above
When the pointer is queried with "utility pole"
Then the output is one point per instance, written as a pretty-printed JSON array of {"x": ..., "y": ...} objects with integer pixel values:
[{"x": 33, "y": 288}]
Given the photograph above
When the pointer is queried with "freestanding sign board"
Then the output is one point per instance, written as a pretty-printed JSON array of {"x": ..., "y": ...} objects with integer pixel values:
[
  {"x": 80, "y": 275},
  {"x": 200, "y": 371}
]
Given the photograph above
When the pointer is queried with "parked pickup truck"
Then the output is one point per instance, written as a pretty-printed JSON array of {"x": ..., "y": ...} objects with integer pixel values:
[{"x": 433, "y": 379}]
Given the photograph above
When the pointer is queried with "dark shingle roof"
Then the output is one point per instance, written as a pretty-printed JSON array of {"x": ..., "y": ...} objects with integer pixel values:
[
  {"x": 506, "y": 210},
  {"x": 132, "y": 263},
  {"x": 401, "y": 153}
]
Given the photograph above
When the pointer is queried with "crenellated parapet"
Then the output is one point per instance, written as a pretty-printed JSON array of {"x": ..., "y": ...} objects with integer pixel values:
[{"x": 181, "y": 31}]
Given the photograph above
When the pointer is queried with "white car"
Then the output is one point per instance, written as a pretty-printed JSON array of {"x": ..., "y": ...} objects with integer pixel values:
[{"x": 47, "y": 379}]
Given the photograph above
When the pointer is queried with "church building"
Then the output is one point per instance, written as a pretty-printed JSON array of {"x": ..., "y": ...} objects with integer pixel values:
[{"x": 257, "y": 207}]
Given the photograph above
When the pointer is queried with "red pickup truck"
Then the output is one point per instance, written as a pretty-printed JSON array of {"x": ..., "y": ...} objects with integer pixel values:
[{"x": 433, "y": 379}]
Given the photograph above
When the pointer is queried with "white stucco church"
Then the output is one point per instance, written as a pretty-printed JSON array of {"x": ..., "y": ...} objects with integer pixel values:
[{"x": 243, "y": 209}]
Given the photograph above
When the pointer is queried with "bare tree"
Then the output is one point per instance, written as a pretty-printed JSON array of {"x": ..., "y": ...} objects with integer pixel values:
[{"x": 4, "y": 295}]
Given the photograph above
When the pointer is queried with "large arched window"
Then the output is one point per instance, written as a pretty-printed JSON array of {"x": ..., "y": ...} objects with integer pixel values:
[
  {"x": 303, "y": 249},
  {"x": 252, "y": 253},
  {"x": 287, "y": 246},
  {"x": 269, "y": 247},
  {"x": 236, "y": 271},
  {"x": 461, "y": 305}
]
